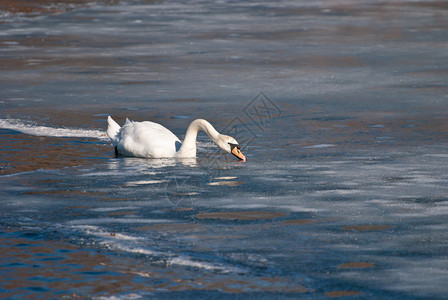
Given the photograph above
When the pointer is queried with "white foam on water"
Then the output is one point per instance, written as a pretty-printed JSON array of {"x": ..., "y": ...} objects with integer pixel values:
[
  {"x": 38, "y": 130},
  {"x": 130, "y": 296},
  {"x": 339, "y": 192},
  {"x": 132, "y": 244},
  {"x": 185, "y": 261},
  {"x": 319, "y": 146},
  {"x": 144, "y": 182}
]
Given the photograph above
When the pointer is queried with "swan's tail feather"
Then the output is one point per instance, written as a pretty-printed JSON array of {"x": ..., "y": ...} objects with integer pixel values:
[{"x": 112, "y": 130}]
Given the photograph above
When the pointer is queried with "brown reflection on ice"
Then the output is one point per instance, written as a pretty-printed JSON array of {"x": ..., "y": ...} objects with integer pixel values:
[
  {"x": 38, "y": 6},
  {"x": 62, "y": 270},
  {"x": 337, "y": 294},
  {"x": 23, "y": 153},
  {"x": 368, "y": 227},
  {"x": 35, "y": 7},
  {"x": 121, "y": 213},
  {"x": 179, "y": 209},
  {"x": 299, "y": 222},
  {"x": 356, "y": 265}
]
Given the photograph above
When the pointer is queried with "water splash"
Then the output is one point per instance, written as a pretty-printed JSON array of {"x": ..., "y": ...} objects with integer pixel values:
[{"x": 39, "y": 130}]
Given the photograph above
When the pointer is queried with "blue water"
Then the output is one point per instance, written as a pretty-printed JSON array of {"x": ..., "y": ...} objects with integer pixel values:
[{"x": 340, "y": 108}]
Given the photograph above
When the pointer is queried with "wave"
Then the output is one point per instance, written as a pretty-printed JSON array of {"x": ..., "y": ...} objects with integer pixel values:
[
  {"x": 38, "y": 130},
  {"x": 135, "y": 244}
]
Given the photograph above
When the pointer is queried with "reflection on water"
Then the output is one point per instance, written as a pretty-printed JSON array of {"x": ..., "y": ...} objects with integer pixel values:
[
  {"x": 150, "y": 164},
  {"x": 335, "y": 227},
  {"x": 246, "y": 215},
  {"x": 343, "y": 193},
  {"x": 23, "y": 153}
]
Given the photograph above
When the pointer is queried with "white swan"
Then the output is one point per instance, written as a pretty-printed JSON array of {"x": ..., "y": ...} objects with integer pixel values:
[{"x": 152, "y": 140}]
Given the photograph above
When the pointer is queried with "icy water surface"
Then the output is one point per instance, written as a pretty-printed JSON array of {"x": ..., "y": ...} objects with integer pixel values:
[{"x": 340, "y": 108}]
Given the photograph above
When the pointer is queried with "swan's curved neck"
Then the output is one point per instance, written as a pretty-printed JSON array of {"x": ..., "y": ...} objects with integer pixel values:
[{"x": 188, "y": 148}]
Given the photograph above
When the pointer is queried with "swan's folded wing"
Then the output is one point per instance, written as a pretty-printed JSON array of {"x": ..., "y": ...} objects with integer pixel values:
[
  {"x": 147, "y": 139},
  {"x": 112, "y": 130}
]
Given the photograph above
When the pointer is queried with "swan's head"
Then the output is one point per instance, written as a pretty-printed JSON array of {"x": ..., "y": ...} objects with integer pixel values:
[{"x": 230, "y": 145}]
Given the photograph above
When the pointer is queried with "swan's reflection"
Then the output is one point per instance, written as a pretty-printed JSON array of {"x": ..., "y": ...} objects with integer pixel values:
[
  {"x": 188, "y": 162},
  {"x": 208, "y": 167},
  {"x": 149, "y": 164}
]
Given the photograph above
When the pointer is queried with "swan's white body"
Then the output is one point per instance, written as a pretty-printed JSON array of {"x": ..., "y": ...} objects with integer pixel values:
[{"x": 151, "y": 140}]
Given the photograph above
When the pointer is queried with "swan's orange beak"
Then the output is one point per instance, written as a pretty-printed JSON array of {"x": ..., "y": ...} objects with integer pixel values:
[{"x": 237, "y": 152}]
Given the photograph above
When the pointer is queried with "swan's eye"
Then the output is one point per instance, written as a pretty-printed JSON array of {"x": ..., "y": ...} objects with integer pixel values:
[{"x": 234, "y": 146}]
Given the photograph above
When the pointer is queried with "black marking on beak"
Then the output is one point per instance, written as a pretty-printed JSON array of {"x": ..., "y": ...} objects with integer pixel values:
[
  {"x": 235, "y": 150},
  {"x": 234, "y": 145}
]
